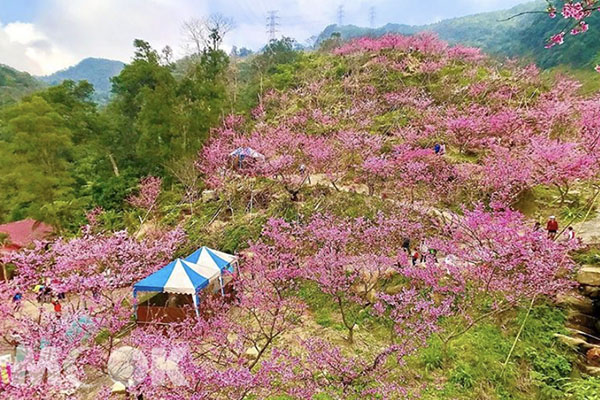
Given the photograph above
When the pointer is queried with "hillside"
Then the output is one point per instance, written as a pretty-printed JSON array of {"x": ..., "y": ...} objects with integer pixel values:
[
  {"x": 15, "y": 84},
  {"x": 96, "y": 71},
  {"x": 381, "y": 198},
  {"x": 523, "y": 36}
]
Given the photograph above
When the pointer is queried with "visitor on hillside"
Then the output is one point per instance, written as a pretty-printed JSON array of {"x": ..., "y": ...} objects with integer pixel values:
[
  {"x": 552, "y": 227},
  {"x": 17, "y": 300},
  {"x": 437, "y": 148},
  {"x": 406, "y": 245},
  {"x": 304, "y": 172},
  {"x": 433, "y": 255},
  {"x": 415, "y": 258},
  {"x": 570, "y": 233},
  {"x": 57, "y": 307},
  {"x": 537, "y": 226},
  {"x": 423, "y": 249}
]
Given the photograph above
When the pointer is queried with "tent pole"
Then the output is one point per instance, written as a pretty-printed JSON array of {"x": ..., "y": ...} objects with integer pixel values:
[
  {"x": 135, "y": 305},
  {"x": 221, "y": 282},
  {"x": 196, "y": 301}
]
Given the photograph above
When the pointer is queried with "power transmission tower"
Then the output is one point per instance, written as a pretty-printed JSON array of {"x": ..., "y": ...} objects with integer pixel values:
[
  {"x": 340, "y": 15},
  {"x": 372, "y": 17},
  {"x": 272, "y": 24}
]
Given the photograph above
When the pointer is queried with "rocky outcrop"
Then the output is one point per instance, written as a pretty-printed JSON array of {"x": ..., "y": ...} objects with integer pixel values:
[
  {"x": 589, "y": 275},
  {"x": 583, "y": 314}
]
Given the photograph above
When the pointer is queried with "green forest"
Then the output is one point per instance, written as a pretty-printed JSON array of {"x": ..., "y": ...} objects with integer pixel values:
[{"x": 62, "y": 154}]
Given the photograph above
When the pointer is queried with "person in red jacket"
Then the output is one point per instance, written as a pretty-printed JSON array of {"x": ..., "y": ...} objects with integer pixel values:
[
  {"x": 552, "y": 227},
  {"x": 57, "y": 307}
]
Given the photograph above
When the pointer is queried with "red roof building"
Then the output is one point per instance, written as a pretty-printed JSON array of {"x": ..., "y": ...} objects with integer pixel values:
[{"x": 23, "y": 233}]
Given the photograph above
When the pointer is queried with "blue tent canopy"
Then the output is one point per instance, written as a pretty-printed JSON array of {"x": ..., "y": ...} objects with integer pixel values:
[
  {"x": 246, "y": 152},
  {"x": 190, "y": 275},
  {"x": 211, "y": 260},
  {"x": 176, "y": 277}
]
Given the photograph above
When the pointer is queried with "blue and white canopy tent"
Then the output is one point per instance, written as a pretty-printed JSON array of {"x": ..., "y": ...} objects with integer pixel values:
[
  {"x": 189, "y": 275},
  {"x": 246, "y": 152}
]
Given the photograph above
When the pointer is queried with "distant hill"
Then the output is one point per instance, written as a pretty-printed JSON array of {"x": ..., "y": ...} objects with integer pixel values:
[
  {"x": 523, "y": 36},
  {"x": 15, "y": 84},
  {"x": 96, "y": 71}
]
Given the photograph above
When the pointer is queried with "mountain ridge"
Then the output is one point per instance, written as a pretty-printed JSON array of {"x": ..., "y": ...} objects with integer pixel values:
[
  {"x": 96, "y": 71},
  {"x": 500, "y": 33}
]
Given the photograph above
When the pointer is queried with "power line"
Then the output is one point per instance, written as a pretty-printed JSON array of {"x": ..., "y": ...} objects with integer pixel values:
[
  {"x": 372, "y": 17},
  {"x": 340, "y": 15},
  {"x": 272, "y": 24}
]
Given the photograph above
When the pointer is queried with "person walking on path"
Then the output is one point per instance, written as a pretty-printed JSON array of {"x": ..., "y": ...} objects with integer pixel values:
[
  {"x": 570, "y": 233},
  {"x": 552, "y": 227}
]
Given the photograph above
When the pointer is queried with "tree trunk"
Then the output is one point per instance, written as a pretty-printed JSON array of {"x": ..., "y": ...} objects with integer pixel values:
[{"x": 114, "y": 164}]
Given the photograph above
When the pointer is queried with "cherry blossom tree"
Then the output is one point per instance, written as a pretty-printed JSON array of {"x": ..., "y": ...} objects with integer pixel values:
[
  {"x": 561, "y": 163},
  {"x": 504, "y": 260}
]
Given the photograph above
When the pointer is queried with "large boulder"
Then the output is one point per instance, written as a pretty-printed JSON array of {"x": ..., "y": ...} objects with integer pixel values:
[
  {"x": 589, "y": 275},
  {"x": 580, "y": 303}
]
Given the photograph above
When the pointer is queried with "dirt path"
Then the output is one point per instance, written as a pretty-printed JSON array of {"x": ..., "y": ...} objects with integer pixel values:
[{"x": 589, "y": 231}]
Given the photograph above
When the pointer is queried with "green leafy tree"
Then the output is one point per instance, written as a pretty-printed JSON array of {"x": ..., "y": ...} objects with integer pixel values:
[{"x": 36, "y": 151}]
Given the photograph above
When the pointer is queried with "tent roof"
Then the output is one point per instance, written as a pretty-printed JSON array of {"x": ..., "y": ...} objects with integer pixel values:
[
  {"x": 176, "y": 277},
  {"x": 209, "y": 263},
  {"x": 246, "y": 151},
  {"x": 189, "y": 275}
]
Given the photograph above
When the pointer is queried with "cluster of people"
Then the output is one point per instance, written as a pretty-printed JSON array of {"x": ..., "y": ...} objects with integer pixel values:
[
  {"x": 552, "y": 229},
  {"x": 44, "y": 294},
  {"x": 421, "y": 254}
]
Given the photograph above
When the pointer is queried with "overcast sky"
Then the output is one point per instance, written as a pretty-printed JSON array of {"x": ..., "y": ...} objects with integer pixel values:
[{"x": 43, "y": 36}]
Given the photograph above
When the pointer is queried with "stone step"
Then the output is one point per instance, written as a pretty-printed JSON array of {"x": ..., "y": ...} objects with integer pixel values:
[{"x": 589, "y": 275}]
